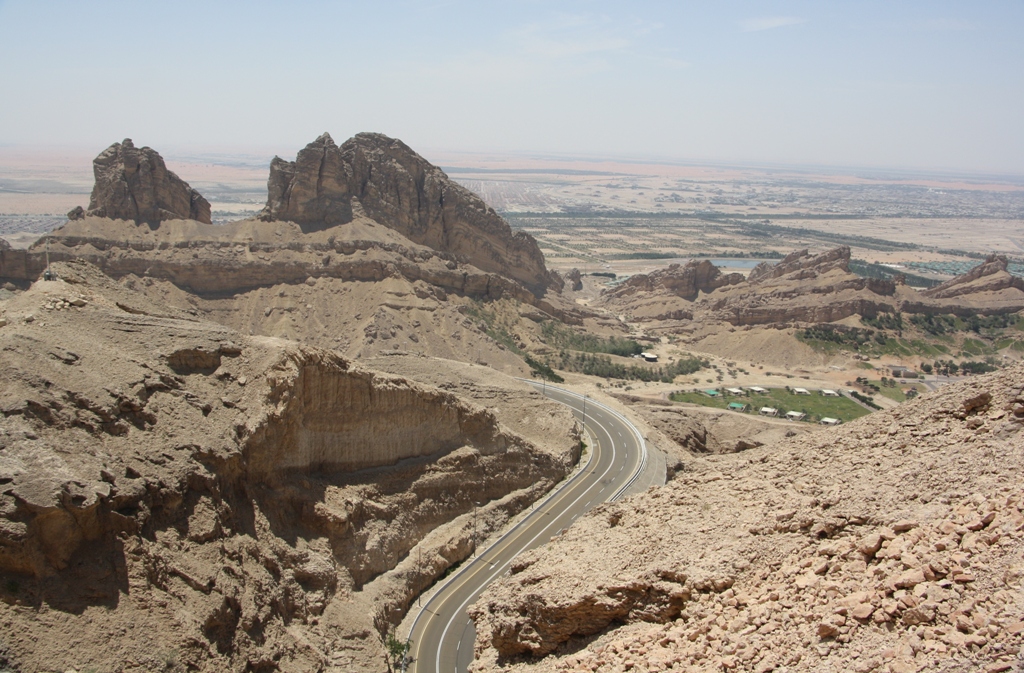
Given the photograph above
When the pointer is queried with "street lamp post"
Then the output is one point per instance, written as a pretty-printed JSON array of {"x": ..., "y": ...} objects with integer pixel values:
[
  {"x": 475, "y": 506},
  {"x": 584, "y": 413}
]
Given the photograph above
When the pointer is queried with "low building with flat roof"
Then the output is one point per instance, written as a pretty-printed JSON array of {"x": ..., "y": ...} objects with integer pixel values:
[
  {"x": 734, "y": 391},
  {"x": 829, "y": 393},
  {"x": 737, "y": 406},
  {"x": 830, "y": 421},
  {"x": 768, "y": 411},
  {"x": 801, "y": 391},
  {"x": 757, "y": 389},
  {"x": 795, "y": 415}
]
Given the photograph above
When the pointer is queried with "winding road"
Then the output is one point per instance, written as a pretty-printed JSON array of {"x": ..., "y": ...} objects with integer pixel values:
[{"x": 442, "y": 634}]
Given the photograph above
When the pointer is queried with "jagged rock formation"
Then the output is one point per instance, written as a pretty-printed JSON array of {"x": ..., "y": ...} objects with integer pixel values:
[
  {"x": 361, "y": 288},
  {"x": 175, "y": 491},
  {"x": 893, "y": 543},
  {"x": 575, "y": 279},
  {"x": 800, "y": 261},
  {"x": 134, "y": 184},
  {"x": 800, "y": 288},
  {"x": 388, "y": 182},
  {"x": 683, "y": 281},
  {"x": 989, "y": 276},
  {"x": 805, "y": 288}
]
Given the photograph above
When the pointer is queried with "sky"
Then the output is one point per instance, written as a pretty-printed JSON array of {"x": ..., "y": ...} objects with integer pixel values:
[{"x": 917, "y": 84}]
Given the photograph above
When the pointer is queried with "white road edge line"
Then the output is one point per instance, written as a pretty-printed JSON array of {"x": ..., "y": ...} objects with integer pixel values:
[
  {"x": 459, "y": 609},
  {"x": 537, "y": 506},
  {"x": 551, "y": 495}
]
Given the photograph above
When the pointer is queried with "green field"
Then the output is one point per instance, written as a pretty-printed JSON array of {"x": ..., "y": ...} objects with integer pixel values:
[{"x": 814, "y": 405}]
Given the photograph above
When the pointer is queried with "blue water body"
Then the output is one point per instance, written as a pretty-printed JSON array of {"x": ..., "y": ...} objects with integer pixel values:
[
  {"x": 738, "y": 263},
  {"x": 733, "y": 263}
]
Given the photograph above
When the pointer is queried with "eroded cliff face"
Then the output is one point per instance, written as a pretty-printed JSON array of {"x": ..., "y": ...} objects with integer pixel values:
[
  {"x": 384, "y": 179},
  {"x": 991, "y": 276},
  {"x": 177, "y": 492},
  {"x": 800, "y": 260},
  {"x": 801, "y": 288},
  {"x": 327, "y": 417},
  {"x": 805, "y": 288},
  {"x": 683, "y": 281},
  {"x": 134, "y": 184},
  {"x": 360, "y": 288}
]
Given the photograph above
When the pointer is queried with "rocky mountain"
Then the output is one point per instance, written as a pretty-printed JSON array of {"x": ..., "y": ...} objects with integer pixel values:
[
  {"x": 134, "y": 184},
  {"x": 989, "y": 276},
  {"x": 365, "y": 248},
  {"x": 802, "y": 264},
  {"x": 892, "y": 543},
  {"x": 386, "y": 181},
  {"x": 804, "y": 288},
  {"x": 178, "y": 495},
  {"x": 683, "y": 281}
]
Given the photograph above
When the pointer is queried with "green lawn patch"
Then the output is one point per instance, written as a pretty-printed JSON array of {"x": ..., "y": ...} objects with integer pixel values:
[{"x": 815, "y": 405}]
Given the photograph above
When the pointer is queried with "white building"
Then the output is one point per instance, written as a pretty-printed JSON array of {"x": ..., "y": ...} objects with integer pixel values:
[
  {"x": 801, "y": 391},
  {"x": 769, "y": 411},
  {"x": 734, "y": 391},
  {"x": 795, "y": 416},
  {"x": 757, "y": 389},
  {"x": 830, "y": 421},
  {"x": 829, "y": 393}
]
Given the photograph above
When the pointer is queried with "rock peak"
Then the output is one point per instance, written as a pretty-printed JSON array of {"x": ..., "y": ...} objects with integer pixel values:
[
  {"x": 134, "y": 184},
  {"x": 324, "y": 139},
  {"x": 401, "y": 190},
  {"x": 992, "y": 275}
]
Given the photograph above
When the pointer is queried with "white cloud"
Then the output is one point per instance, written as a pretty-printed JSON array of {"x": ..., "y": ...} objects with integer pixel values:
[{"x": 769, "y": 22}]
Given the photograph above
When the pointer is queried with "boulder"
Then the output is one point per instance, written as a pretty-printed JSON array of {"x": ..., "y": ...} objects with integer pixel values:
[{"x": 134, "y": 184}]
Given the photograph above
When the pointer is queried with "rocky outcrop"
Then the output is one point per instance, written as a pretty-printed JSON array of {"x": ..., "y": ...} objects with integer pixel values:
[
  {"x": 800, "y": 288},
  {"x": 575, "y": 279},
  {"x": 801, "y": 260},
  {"x": 776, "y": 310},
  {"x": 891, "y": 543},
  {"x": 174, "y": 489},
  {"x": 329, "y": 417},
  {"x": 386, "y": 181},
  {"x": 683, "y": 281},
  {"x": 134, "y": 184},
  {"x": 989, "y": 276}
]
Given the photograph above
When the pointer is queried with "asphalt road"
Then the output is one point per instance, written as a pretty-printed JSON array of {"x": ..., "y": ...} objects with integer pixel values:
[{"x": 442, "y": 634}]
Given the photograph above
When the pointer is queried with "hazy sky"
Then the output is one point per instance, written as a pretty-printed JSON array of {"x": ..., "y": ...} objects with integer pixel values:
[{"x": 919, "y": 84}]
